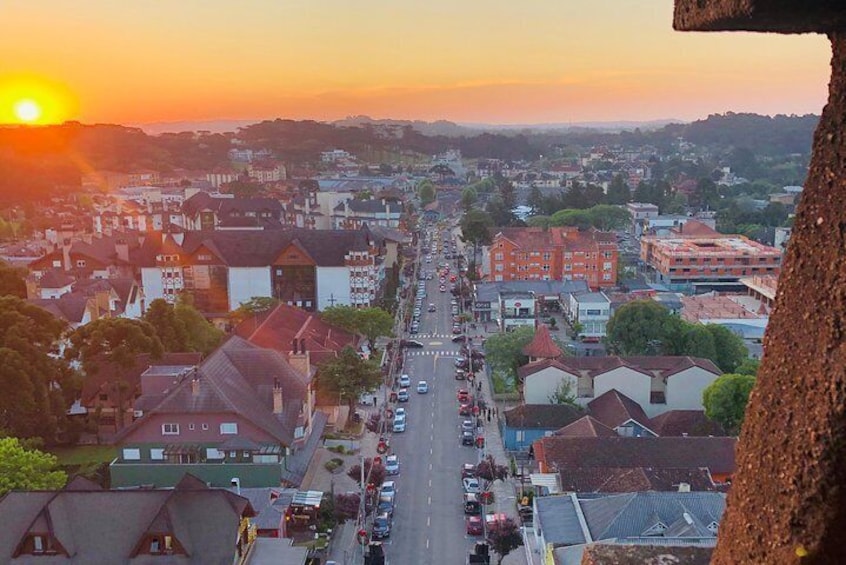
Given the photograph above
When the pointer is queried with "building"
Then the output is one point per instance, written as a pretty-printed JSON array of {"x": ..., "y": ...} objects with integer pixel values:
[
  {"x": 526, "y": 423},
  {"x": 697, "y": 254},
  {"x": 517, "y": 309},
  {"x": 94, "y": 257},
  {"x": 203, "y": 211},
  {"x": 572, "y": 521},
  {"x": 656, "y": 383},
  {"x": 352, "y": 214},
  {"x": 221, "y": 269},
  {"x": 640, "y": 213},
  {"x": 743, "y": 314},
  {"x": 562, "y": 253},
  {"x": 241, "y": 413},
  {"x": 591, "y": 310}
]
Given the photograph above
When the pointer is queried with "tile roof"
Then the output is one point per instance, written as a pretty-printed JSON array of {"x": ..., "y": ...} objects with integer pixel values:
[
  {"x": 713, "y": 453},
  {"x": 55, "y": 278},
  {"x": 238, "y": 378},
  {"x": 278, "y": 328},
  {"x": 70, "y": 307},
  {"x": 654, "y": 366},
  {"x": 532, "y": 368},
  {"x": 542, "y": 345},
  {"x": 204, "y": 522},
  {"x": 613, "y": 408},
  {"x": 541, "y": 416},
  {"x": 225, "y": 206},
  {"x": 559, "y": 520},
  {"x": 586, "y": 426},
  {"x": 634, "y": 479},
  {"x": 681, "y": 422}
]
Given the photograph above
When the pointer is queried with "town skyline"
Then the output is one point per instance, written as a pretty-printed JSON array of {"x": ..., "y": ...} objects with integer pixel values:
[{"x": 580, "y": 62}]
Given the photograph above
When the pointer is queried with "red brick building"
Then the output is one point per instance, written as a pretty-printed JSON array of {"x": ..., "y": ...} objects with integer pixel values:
[{"x": 562, "y": 253}]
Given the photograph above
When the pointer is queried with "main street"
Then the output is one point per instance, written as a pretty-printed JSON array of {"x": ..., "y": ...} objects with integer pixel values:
[{"x": 428, "y": 523}]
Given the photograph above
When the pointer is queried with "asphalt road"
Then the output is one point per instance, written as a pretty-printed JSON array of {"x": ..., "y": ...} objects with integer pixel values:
[{"x": 428, "y": 523}]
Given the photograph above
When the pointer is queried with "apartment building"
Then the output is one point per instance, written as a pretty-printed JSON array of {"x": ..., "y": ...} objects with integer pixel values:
[
  {"x": 561, "y": 254},
  {"x": 696, "y": 253}
]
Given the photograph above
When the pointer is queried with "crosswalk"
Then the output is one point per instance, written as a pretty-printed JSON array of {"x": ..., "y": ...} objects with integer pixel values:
[
  {"x": 432, "y": 336},
  {"x": 430, "y": 352}
]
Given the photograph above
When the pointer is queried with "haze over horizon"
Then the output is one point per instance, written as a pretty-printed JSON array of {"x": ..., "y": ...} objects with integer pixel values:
[{"x": 492, "y": 63}]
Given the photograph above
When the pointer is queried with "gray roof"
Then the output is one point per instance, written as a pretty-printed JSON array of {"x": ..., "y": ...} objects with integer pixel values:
[
  {"x": 372, "y": 206},
  {"x": 490, "y": 290},
  {"x": 238, "y": 378},
  {"x": 558, "y": 520},
  {"x": 203, "y": 521},
  {"x": 585, "y": 297},
  {"x": 634, "y": 514},
  {"x": 269, "y": 503}
]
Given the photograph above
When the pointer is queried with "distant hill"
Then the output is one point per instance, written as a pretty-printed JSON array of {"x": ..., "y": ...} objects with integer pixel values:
[{"x": 211, "y": 126}]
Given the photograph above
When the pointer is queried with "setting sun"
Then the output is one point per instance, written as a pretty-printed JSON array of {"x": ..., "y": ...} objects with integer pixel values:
[{"x": 27, "y": 111}]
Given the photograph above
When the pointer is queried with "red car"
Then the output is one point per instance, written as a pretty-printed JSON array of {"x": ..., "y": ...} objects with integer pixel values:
[
  {"x": 465, "y": 410},
  {"x": 463, "y": 395},
  {"x": 474, "y": 525}
]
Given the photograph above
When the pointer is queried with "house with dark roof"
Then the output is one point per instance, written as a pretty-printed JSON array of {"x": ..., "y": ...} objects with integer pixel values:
[
  {"x": 202, "y": 211},
  {"x": 586, "y": 426},
  {"x": 101, "y": 257},
  {"x": 630, "y": 528},
  {"x": 635, "y": 518},
  {"x": 636, "y": 479},
  {"x": 354, "y": 213},
  {"x": 622, "y": 414},
  {"x": 190, "y": 523},
  {"x": 221, "y": 269},
  {"x": 657, "y": 383},
  {"x": 243, "y": 413},
  {"x": 558, "y": 453},
  {"x": 525, "y": 423}
]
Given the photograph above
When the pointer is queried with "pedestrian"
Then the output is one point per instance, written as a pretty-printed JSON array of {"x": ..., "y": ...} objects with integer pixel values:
[
  {"x": 375, "y": 400},
  {"x": 489, "y": 416}
]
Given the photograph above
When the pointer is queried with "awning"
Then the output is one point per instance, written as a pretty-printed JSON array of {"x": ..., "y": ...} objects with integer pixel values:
[
  {"x": 549, "y": 481},
  {"x": 307, "y": 498}
]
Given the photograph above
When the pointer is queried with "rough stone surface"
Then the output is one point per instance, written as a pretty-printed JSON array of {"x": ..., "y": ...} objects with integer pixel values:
[
  {"x": 606, "y": 554},
  {"x": 782, "y": 16},
  {"x": 788, "y": 503}
]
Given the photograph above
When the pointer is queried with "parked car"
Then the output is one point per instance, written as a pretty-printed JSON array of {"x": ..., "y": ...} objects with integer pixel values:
[
  {"x": 463, "y": 395},
  {"x": 471, "y": 485},
  {"x": 382, "y": 526},
  {"x": 442, "y": 288},
  {"x": 402, "y": 395},
  {"x": 422, "y": 387},
  {"x": 468, "y": 470},
  {"x": 467, "y": 438},
  {"x": 405, "y": 381},
  {"x": 460, "y": 375},
  {"x": 388, "y": 488},
  {"x": 399, "y": 425},
  {"x": 468, "y": 426},
  {"x": 473, "y": 525},
  {"x": 465, "y": 410},
  {"x": 392, "y": 465},
  {"x": 400, "y": 412}
]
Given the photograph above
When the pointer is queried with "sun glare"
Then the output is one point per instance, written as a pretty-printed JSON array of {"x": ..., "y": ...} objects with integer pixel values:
[{"x": 27, "y": 111}]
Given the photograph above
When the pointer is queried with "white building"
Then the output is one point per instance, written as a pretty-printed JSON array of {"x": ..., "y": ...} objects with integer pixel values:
[{"x": 592, "y": 310}]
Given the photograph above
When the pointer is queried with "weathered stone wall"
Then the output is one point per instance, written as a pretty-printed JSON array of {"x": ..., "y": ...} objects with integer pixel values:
[{"x": 788, "y": 500}]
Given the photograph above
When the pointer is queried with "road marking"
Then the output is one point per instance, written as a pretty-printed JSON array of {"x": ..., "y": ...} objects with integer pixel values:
[
  {"x": 428, "y": 520},
  {"x": 436, "y": 343},
  {"x": 430, "y": 501},
  {"x": 427, "y": 543},
  {"x": 430, "y": 451},
  {"x": 430, "y": 466},
  {"x": 430, "y": 482},
  {"x": 432, "y": 437}
]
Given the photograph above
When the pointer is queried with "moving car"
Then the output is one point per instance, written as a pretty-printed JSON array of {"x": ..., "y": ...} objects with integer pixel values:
[
  {"x": 381, "y": 526},
  {"x": 392, "y": 465},
  {"x": 422, "y": 387},
  {"x": 405, "y": 381},
  {"x": 467, "y": 438},
  {"x": 411, "y": 343},
  {"x": 431, "y": 308},
  {"x": 402, "y": 395},
  {"x": 473, "y": 526},
  {"x": 460, "y": 375},
  {"x": 460, "y": 339},
  {"x": 442, "y": 288}
]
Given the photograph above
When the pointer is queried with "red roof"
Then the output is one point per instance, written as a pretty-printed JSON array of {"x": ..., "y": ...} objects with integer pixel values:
[
  {"x": 542, "y": 345},
  {"x": 586, "y": 426},
  {"x": 278, "y": 328}
]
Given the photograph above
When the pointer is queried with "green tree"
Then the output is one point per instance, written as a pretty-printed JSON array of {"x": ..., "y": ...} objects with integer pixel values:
[
  {"x": 169, "y": 328},
  {"x": 725, "y": 400},
  {"x": 638, "y": 328},
  {"x": 476, "y": 230},
  {"x": 535, "y": 200},
  {"x": 372, "y": 323},
  {"x": 426, "y": 192},
  {"x": 504, "y": 537},
  {"x": 606, "y": 218},
  {"x": 469, "y": 196},
  {"x": 564, "y": 394},
  {"x": 12, "y": 281},
  {"x": 253, "y": 307},
  {"x": 202, "y": 335},
  {"x": 504, "y": 351},
  {"x": 571, "y": 217},
  {"x": 618, "y": 191},
  {"x": 349, "y": 376},
  {"x": 118, "y": 342},
  {"x": 749, "y": 366},
  {"x": 37, "y": 385},
  {"x": 699, "y": 342},
  {"x": 24, "y": 469},
  {"x": 730, "y": 352}
]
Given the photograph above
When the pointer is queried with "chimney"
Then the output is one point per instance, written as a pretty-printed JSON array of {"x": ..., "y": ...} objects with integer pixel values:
[
  {"x": 684, "y": 487},
  {"x": 300, "y": 361},
  {"x": 66, "y": 259},
  {"x": 195, "y": 387},
  {"x": 294, "y": 345},
  {"x": 277, "y": 397},
  {"x": 122, "y": 250}
]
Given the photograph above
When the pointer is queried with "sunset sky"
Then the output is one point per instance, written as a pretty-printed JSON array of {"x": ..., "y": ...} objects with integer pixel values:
[{"x": 477, "y": 61}]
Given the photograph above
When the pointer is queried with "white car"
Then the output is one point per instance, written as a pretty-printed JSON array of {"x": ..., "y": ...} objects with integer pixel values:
[
  {"x": 400, "y": 413},
  {"x": 392, "y": 465},
  {"x": 389, "y": 488},
  {"x": 399, "y": 424},
  {"x": 471, "y": 485},
  {"x": 422, "y": 387},
  {"x": 405, "y": 381}
]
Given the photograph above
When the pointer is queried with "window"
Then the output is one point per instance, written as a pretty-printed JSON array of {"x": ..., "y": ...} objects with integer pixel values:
[
  {"x": 170, "y": 429},
  {"x": 228, "y": 429},
  {"x": 203, "y": 257},
  {"x": 521, "y": 435},
  {"x": 606, "y": 277},
  {"x": 546, "y": 267},
  {"x": 606, "y": 266},
  {"x": 498, "y": 256},
  {"x": 213, "y": 453},
  {"x": 498, "y": 268},
  {"x": 233, "y": 454},
  {"x": 191, "y": 427},
  {"x": 37, "y": 544},
  {"x": 57, "y": 264},
  {"x": 547, "y": 256},
  {"x": 80, "y": 263},
  {"x": 157, "y": 454},
  {"x": 131, "y": 454},
  {"x": 568, "y": 267}
]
